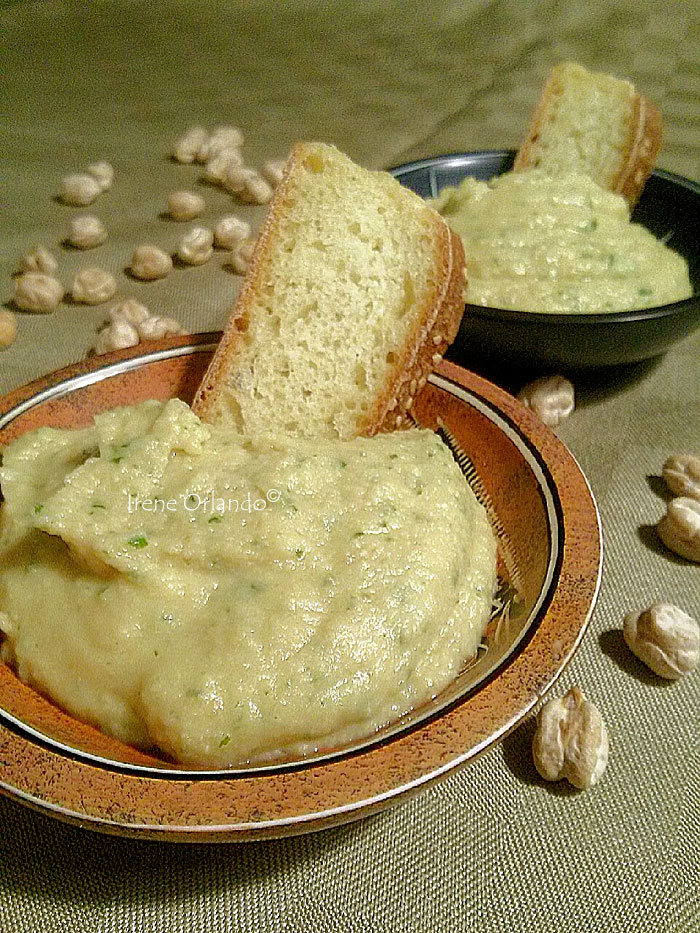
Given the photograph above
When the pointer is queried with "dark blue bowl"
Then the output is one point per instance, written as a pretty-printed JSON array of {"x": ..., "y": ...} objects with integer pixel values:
[{"x": 669, "y": 207}]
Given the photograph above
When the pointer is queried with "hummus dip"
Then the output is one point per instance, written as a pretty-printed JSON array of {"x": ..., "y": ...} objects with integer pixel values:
[
  {"x": 558, "y": 244},
  {"x": 230, "y": 600}
]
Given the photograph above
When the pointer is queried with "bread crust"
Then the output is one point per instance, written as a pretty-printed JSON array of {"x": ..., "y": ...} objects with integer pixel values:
[
  {"x": 642, "y": 147},
  {"x": 524, "y": 155},
  {"x": 435, "y": 331},
  {"x": 435, "y": 328}
]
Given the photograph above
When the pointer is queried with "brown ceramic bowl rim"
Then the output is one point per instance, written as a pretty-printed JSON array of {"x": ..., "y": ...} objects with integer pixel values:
[{"x": 239, "y": 806}]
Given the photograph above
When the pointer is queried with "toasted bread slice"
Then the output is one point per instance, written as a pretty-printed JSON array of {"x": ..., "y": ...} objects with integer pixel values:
[
  {"x": 354, "y": 290},
  {"x": 595, "y": 124}
]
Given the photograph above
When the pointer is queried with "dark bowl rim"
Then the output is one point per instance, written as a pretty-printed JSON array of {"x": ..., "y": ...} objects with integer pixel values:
[{"x": 504, "y": 316}]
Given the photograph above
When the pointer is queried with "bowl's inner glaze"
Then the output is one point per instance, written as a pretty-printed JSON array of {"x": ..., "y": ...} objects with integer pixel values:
[{"x": 522, "y": 495}]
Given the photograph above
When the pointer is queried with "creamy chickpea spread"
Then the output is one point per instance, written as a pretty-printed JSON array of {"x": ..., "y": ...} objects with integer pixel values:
[
  {"x": 558, "y": 244},
  {"x": 229, "y": 600}
]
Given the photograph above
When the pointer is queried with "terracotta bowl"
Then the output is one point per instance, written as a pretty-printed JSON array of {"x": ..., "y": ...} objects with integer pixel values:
[{"x": 550, "y": 536}]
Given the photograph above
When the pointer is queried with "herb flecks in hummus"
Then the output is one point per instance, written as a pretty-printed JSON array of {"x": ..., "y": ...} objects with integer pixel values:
[
  {"x": 295, "y": 594},
  {"x": 559, "y": 245}
]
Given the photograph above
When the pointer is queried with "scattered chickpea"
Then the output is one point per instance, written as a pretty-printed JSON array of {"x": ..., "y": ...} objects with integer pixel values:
[
  {"x": 38, "y": 260},
  {"x": 129, "y": 309},
  {"x": 196, "y": 247},
  {"x": 103, "y": 173},
  {"x": 551, "y": 398},
  {"x": 240, "y": 257},
  {"x": 149, "y": 262},
  {"x": 248, "y": 185},
  {"x": 571, "y": 741},
  {"x": 216, "y": 168},
  {"x": 679, "y": 529},
  {"x": 154, "y": 328},
  {"x": 237, "y": 177},
  {"x": 37, "y": 291},
  {"x": 222, "y": 137},
  {"x": 187, "y": 146},
  {"x": 86, "y": 232},
  {"x": 185, "y": 205},
  {"x": 116, "y": 336},
  {"x": 79, "y": 190},
  {"x": 272, "y": 172},
  {"x": 226, "y": 135},
  {"x": 665, "y": 638},
  {"x": 257, "y": 191},
  {"x": 681, "y": 474},
  {"x": 230, "y": 231},
  {"x": 129, "y": 323},
  {"x": 93, "y": 286},
  {"x": 8, "y": 328}
]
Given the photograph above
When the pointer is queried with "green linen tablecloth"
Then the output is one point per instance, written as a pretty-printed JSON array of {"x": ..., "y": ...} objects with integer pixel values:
[{"x": 492, "y": 847}]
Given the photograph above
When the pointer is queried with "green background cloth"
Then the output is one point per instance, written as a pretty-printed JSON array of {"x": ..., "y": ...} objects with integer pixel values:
[{"x": 492, "y": 847}]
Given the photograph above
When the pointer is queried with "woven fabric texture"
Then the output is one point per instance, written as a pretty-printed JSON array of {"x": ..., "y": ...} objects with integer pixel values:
[{"x": 492, "y": 848}]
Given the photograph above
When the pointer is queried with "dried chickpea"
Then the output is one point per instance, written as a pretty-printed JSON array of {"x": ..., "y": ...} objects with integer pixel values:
[
  {"x": 551, "y": 398},
  {"x": 240, "y": 257},
  {"x": 38, "y": 259},
  {"x": 185, "y": 205},
  {"x": 149, "y": 262},
  {"x": 216, "y": 168},
  {"x": 196, "y": 247},
  {"x": 230, "y": 231},
  {"x": 154, "y": 328},
  {"x": 8, "y": 328},
  {"x": 37, "y": 291},
  {"x": 679, "y": 529},
  {"x": 248, "y": 185},
  {"x": 272, "y": 172},
  {"x": 222, "y": 137},
  {"x": 257, "y": 191},
  {"x": 130, "y": 310},
  {"x": 93, "y": 286},
  {"x": 103, "y": 173},
  {"x": 681, "y": 474},
  {"x": 79, "y": 190},
  {"x": 571, "y": 741},
  {"x": 224, "y": 134},
  {"x": 237, "y": 176},
  {"x": 86, "y": 232},
  {"x": 665, "y": 638},
  {"x": 187, "y": 146},
  {"x": 116, "y": 336}
]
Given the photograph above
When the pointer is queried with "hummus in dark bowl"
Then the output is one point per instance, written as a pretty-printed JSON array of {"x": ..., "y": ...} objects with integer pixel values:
[{"x": 668, "y": 208}]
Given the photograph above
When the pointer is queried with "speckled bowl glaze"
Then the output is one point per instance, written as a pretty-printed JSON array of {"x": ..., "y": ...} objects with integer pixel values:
[{"x": 548, "y": 520}]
